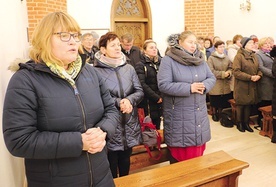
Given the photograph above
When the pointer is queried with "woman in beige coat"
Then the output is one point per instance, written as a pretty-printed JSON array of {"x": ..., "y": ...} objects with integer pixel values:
[
  {"x": 247, "y": 74},
  {"x": 220, "y": 66}
]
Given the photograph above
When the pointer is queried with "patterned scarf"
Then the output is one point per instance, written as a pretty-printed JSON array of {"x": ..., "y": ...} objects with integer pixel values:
[{"x": 69, "y": 74}]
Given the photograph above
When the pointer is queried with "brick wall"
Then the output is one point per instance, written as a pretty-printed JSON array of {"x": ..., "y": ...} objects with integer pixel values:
[
  {"x": 37, "y": 9},
  {"x": 199, "y": 17}
]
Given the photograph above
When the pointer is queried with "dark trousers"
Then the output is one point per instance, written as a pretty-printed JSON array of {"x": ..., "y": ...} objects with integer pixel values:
[
  {"x": 157, "y": 122},
  {"x": 243, "y": 113},
  {"x": 119, "y": 161}
]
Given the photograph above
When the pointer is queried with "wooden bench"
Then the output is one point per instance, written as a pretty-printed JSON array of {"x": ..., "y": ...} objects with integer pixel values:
[
  {"x": 233, "y": 107},
  {"x": 267, "y": 129},
  {"x": 141, "y": 159},
  {"x": 215, "y": 169}
]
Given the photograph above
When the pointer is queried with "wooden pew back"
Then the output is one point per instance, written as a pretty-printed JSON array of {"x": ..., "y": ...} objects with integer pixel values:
[{"x": 215, "y": 169}]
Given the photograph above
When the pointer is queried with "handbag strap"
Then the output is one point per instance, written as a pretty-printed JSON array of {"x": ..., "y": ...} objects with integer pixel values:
[{"x": 158, "y": 148}]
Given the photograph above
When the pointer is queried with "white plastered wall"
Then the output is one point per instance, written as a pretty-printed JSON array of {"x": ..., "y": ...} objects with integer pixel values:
[
  {"x": 167, "y": 17},
  {"x": 229, "y": 20},
  {"x": 13, "y": 32}
]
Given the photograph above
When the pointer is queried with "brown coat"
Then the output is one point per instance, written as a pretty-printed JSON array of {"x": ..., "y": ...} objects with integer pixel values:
[{"x": 245, "y": 65}]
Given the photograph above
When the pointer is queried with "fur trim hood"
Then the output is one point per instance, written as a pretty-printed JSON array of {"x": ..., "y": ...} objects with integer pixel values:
[
  {"x": 173, "y": 40},
  {"x": 179, "y": 54},
  {"x": 14, "y": 66}
]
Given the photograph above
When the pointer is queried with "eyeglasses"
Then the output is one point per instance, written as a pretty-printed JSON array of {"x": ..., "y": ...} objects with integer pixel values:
[{"x": 66, "y": 36}]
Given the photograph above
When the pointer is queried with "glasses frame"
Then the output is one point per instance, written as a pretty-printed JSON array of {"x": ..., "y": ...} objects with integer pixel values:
[{"x": 74, "y": 35}]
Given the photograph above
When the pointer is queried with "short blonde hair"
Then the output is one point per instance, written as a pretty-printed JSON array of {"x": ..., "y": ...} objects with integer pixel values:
[
  {"x": 262, "y": 41},
  {"x": 41, "y": 40}
]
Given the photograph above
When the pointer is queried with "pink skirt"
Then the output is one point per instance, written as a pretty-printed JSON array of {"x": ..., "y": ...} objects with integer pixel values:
[{"x": 185, "y": 153}]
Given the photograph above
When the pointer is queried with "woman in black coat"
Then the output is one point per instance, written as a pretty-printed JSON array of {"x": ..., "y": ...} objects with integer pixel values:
[
  {"x": 147, "y": 70},
  {"x": 58, "y": 113}
]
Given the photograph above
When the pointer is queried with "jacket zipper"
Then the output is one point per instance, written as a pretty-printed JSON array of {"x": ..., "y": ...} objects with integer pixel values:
[
  {"x": 85, "y": 128},
  {"x": 76, "y": 92},
  {"x": 173, "y": 102},
  {"x": 123, "y": 115}
]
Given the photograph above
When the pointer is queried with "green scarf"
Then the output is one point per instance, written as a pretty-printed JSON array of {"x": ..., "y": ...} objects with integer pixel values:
[{"x": 70, "y": 74}]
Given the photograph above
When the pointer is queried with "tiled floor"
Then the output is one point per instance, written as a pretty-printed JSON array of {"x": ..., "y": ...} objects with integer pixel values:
[{"x": 253, "y": 148}]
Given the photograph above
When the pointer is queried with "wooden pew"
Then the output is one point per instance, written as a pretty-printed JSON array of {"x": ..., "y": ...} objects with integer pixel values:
[
  {"x": 215, "y": 169},
  {"x": 141, "y": 159},
  {"x": 233, "y": 107},
  {"x": 267, "y": 129}
]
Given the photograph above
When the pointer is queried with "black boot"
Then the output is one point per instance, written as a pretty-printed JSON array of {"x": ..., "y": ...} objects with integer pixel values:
[
  {"x": 247, "y": 127},
  {"x": 215, "y": 117},
  {"x": 240, "y": 127},
  {"x": 273, "y": 139}
]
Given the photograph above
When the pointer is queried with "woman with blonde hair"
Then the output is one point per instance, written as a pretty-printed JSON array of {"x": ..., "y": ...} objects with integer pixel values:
[
  {"x": 57, "y": 112},
  {"x": 147, "y": 70},
  {"x": 265, "y": 85},
  {"x": 184, "y": 78}
]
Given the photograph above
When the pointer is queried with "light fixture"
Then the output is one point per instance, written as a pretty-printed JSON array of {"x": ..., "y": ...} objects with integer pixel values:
[{"x": 245, "y": 5}]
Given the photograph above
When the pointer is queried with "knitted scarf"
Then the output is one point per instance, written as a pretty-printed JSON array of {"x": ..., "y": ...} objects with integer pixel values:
[
  {"x": 113, "y": 62},
  {"x": 219, "y": 55},
  {"x": 70, "y": 74},
  {"x": 182, "y": 56}
]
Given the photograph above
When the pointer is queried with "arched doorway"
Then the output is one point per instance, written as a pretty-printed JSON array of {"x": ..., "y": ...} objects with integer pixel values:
[{"x": 133, "y": 16}]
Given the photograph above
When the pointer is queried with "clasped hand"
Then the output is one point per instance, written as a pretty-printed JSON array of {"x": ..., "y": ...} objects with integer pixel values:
[
  {"x": 197, "y": 87},
  {"x": 255, "y": 78},
  {"x": 93, "y": 140},
  {"x": 125, "y": 106}
]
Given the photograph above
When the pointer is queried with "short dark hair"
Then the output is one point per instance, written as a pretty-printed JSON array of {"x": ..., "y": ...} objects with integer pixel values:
[
  {"x": 218, "y": 43},
  {"x": 211, "y": 43},
  {"x": 109, "y": 36}
]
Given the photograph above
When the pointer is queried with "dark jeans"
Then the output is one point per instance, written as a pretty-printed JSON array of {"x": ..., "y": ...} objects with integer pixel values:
[{"x": 119, "y": 161}]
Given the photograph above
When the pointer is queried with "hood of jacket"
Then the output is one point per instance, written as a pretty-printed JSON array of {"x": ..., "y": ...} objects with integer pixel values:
[
  {"x": 146, "y": 59},
  {"x": 233, "y": 46},
  {"x": 217, "y": 55},
  {"x": 182, "y": 56},
  {"x": 20, "y": 63}
]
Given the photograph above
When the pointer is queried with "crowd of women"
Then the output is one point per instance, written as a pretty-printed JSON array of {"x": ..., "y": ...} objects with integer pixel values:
[{"x": 71, "y": 110}]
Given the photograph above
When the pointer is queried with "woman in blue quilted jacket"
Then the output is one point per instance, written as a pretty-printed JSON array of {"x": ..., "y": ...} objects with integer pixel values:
[
  {"x": 127, "y": 92},
  {"x": 184, "y": 78}
]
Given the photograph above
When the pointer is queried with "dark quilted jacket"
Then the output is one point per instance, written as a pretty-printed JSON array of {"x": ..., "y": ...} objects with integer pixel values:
[
  {"x": 123, "y": 82},
  {"x": 147, "y": 73},
  {"x": 43, "y": 120}
]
